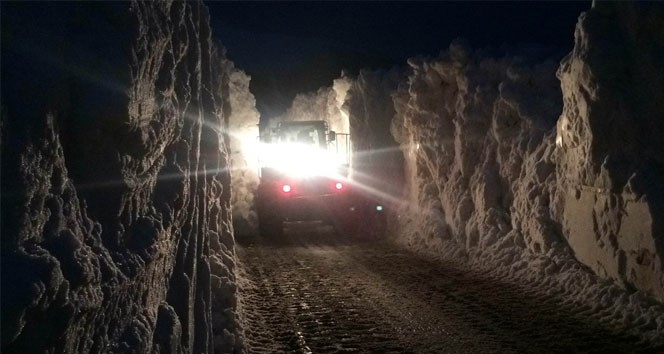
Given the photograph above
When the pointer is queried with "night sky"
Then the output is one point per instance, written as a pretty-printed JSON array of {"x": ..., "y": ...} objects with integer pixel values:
[{"x": 292, "y": 47}]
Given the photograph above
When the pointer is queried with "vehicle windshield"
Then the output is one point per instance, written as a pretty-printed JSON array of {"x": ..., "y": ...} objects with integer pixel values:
[
  {"x": 300, "y": 149},
  {"x": 307, "y": 134}
]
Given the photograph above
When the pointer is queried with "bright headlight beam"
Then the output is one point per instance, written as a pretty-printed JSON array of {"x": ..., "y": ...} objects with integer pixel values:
[{"x": 300, "y": 160}]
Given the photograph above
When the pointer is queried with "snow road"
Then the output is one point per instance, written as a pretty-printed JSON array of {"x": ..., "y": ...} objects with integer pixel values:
[{"x": 316, "y": 293}]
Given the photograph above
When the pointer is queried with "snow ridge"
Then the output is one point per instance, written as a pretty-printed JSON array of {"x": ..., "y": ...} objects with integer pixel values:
[
  {"x": 243, "y": 128},
  {"x": 116, "y": 224},
  {"x": 493, "y": 176},
  {"x": 610, "y": 140},
  {"x": 490, "y": 183}
]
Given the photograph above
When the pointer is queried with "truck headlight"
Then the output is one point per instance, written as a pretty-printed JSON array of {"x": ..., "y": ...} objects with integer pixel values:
[{"x": 298, "y": 160}]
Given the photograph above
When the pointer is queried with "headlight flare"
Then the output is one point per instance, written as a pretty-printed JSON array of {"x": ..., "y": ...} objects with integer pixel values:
[{"x": 300, "y": 160}]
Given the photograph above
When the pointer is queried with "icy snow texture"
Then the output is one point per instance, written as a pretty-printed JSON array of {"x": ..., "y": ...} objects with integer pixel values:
[
  {"x": 489, "y": 182},
  {"x": 486, "y": 183},
  {"x": 611, "y": 144},
  {"x": 479, "y": 164},
  {"x": 116, "y": 232},
  {"x": 243, "y": 127}
]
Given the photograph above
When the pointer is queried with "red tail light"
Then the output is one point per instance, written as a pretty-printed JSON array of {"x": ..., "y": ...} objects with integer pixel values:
[
  {"x": 286, "y": 188},
  {"x": 338, "y": 186}
]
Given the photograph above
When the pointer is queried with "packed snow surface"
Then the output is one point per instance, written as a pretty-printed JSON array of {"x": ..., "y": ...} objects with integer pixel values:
[{"x": 317, "y": 291}]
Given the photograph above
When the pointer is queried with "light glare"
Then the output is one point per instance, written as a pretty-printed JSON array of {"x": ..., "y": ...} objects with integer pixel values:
[{"x": 300, "y": 160}]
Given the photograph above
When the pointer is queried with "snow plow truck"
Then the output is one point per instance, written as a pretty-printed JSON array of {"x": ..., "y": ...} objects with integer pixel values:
[{"x": 304, "y": 176}]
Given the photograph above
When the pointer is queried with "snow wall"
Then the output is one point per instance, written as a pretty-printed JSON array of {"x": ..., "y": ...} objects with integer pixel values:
[
  {"x": 610, "y": 140},
  {"x": 116, "y": 233},
  {"x": 493, "y": 168},
  {"x": 478, "y": 139},
  {"x": 489, "y": 171},
  {"x": 243, "y": 128}
]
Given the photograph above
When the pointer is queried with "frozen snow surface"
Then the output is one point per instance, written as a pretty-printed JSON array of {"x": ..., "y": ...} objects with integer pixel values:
[
  {"x": 116, "y": 234},
  {"x": 322, "y": 292}
]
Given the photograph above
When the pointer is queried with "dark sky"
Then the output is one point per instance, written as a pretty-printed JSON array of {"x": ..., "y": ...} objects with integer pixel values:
[{"x": 291, "y": 47}]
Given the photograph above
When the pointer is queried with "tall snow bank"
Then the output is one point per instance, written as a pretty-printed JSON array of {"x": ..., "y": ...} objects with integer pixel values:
[
  {"x": 478, "y": 152},
  {"x": 486, "y": 184},
  {"x": 610, "y": 138},
  {"x": 377, "y": 159},
  {"x": 116, "y": 232},
  {"x": 243, "y": 127}
]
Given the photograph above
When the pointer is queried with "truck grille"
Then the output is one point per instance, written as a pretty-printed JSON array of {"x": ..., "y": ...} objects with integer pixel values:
[{"x": 312, "y": 187}]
